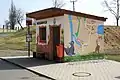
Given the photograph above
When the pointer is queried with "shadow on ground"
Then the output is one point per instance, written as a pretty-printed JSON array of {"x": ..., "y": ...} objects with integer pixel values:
[
  {"x": 31, "y": 62},
  {"x": 7, "y": 66}
]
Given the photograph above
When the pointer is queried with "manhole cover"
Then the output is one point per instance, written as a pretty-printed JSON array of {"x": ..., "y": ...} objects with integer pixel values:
[
  {"x": 118, "y": 77},
  {"x": 81, "y": 74}
]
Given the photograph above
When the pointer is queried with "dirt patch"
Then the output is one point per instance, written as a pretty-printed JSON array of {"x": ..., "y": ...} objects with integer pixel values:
[{"x": 112, "y": 39}]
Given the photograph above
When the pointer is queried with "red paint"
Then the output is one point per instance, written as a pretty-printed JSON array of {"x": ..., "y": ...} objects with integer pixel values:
[
  {"x": 29, "y": 22},
  {"x": 60, "y": 51}
]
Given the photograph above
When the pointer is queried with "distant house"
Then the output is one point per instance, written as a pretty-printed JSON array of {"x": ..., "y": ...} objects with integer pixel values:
[{"x": 79, "y": 33}]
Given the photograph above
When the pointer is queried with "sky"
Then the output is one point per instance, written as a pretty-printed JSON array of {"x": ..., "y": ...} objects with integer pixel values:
[{"x": 85, "y": 6}]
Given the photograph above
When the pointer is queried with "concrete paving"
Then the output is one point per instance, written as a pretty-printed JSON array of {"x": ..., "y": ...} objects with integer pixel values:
[
  {"x": 84, "y": 70},
  {"x": 4, "y": 53}
]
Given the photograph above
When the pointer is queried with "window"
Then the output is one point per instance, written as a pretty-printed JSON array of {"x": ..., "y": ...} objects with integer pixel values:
[{"x": 42, "y": 32}]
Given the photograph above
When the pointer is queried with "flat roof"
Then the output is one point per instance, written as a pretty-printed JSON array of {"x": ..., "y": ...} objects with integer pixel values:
[{"x": 53, "y": 12}]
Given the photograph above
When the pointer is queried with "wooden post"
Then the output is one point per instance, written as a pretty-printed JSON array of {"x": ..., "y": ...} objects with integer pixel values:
[
  {"x": 28, "y": 41},
  {"x": 28, "y": 22}
]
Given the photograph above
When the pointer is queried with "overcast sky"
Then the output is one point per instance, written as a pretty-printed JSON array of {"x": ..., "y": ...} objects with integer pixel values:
[{"x": 86, "y": 6}]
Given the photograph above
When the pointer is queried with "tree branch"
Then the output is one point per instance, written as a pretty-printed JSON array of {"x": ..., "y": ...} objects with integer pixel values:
[
  {"x": 58, "y": 3},
  {"x": 110, "y": 9}
]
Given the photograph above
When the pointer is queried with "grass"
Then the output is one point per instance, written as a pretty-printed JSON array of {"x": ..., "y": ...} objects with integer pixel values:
[
  {"x": 90, "y": 56},
  {"x": 17, "y": 40},
  {"x": 6, "y": 31},
  {"x": 113, "y": 57}
]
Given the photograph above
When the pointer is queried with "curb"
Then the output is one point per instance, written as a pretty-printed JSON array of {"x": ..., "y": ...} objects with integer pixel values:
[{"x": 39, "y": 74}]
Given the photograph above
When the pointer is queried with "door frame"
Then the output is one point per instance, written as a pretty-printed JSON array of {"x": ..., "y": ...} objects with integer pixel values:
[{"x": 51, "y": 36}]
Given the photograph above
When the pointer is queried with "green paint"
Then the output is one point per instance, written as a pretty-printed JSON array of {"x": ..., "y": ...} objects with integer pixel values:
[
  {"x": 103, "y": 36},
  {"x": 78, "y": 29}
]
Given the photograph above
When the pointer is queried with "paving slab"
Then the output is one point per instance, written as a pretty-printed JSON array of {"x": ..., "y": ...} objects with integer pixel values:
[{"x": 83, "y": 70}]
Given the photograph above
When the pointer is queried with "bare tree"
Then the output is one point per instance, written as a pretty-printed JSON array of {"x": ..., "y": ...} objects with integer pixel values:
[
  {"x": 58, "y": 3},
  {"x": 19, "y": 17},
  {"x": 113, "y": 7},
  {"x": 16, "y": 16},
  {"x": 12, "y": 16}
]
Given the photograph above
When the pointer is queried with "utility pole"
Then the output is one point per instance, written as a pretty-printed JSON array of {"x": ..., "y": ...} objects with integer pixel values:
[{"x": 73, "y": 1}]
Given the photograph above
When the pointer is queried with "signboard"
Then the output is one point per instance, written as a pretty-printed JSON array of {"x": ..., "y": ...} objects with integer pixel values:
[
  {"x": 28, "y": 37},
  {"x": 41, "y": 22}
]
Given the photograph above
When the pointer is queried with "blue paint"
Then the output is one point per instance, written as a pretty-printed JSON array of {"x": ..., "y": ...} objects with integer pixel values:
[
  {"x": 71, "y": 26},
  {"x": 75, "y": 40},
  {"x": 100, "y": 29},
  {"x": 73, "y": 37}
]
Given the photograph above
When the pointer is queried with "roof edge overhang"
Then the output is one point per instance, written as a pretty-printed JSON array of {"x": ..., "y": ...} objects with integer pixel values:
[
  {"x": 53, "y": 12},
  {"x": 85, "y": 15}
]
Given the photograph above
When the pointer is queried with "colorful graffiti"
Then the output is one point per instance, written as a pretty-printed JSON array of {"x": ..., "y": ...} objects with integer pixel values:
[
  {"x": 70, "y": 50},
  {"x": 77, "y": 33},
  {"x": 90, "y": 25},
  {"x": 100, "y": 29},
  {"x": 74, "y": 37},
  {"x": 97, "y": 48},
  {"x": 71, "y": 26},
  {"x": 90, "y": 28},
  {"x": 100, "y": 32}
]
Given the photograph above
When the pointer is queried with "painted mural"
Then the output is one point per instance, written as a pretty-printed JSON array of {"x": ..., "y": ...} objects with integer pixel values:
[
  {"x": 70, "y": 50},
  {"x": 74, "y": 36},
  {"x": 85, "y": 34},
  {"x": 100, "y": 33}
]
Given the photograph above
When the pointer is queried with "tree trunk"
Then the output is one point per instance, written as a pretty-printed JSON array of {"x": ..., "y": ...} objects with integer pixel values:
[
  {"x": 12, "y": 26},
  {"x": 20, "y": 25},
  {"x": 117, "y": 22}
]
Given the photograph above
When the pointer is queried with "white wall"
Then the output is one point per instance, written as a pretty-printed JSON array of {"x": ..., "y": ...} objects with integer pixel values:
[{"x": 59, "y": 20}]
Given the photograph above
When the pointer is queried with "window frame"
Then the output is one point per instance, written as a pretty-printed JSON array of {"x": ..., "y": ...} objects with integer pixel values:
[{"x": 41, "y": 32}]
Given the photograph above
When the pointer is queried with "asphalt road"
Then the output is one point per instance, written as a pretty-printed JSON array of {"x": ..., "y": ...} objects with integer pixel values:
[{"x": 12, "y": 72}]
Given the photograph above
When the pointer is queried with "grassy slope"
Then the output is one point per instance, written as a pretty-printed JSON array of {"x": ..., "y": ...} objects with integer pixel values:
[
  {"x": 112, "y": 37},
  {"x": 17, "y": 40},
  {"x": 113, "y": 57}
]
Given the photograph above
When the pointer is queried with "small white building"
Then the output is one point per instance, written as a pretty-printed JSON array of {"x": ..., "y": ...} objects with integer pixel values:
[{"x": 56, "y": 26}]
